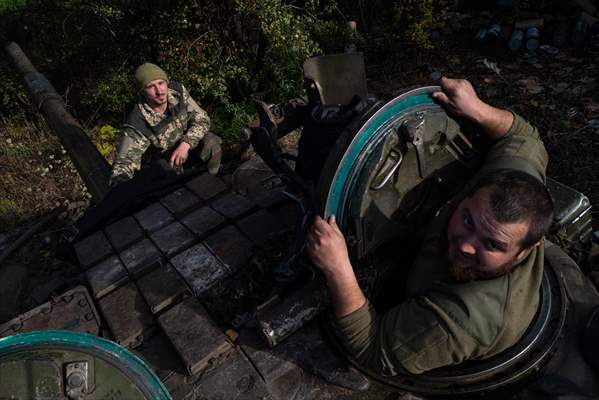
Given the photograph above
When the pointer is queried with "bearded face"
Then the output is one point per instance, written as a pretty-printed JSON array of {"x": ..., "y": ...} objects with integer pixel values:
[{"x": 479, "y": 247}]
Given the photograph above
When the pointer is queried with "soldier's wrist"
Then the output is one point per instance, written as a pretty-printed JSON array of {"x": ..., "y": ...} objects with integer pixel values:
[{"x": 184, "y": 143}]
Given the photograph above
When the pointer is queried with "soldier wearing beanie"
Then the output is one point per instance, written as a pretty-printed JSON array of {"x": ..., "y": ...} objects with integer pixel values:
[{"x": 165, "y": 123}]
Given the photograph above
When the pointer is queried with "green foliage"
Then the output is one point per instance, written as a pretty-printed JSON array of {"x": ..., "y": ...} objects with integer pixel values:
[
  {"x": 13, "y": 94},
  {"x": 226, "y": 52},
  {"x": 11, "y": 5},
  {"x": 228, "y": 121},
  {"x": 419, "y": 17},
  {"x": 112, "y": 92},
  {"x": 7, "y": 209},
  {"x": 106, "y": 139}
]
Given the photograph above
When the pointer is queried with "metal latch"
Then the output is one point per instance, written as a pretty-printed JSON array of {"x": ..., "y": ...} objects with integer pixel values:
[
  {"x": 413, "y": 130},
  {"x": 391, "y": 164},
  {"x": 76, "y": 377}
]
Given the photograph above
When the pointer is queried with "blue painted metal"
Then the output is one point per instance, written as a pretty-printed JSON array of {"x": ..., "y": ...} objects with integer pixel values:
[
  {"x": 118, "y": 356},
  {"x": 342, "y": 187}
]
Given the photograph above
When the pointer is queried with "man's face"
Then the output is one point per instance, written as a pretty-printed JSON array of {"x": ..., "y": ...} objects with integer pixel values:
[
  {"x": 155, "y": 92},
  {"x": 479, "y": 247}
]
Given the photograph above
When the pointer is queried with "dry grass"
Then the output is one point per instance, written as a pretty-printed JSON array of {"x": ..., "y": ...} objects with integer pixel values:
[{"x": 37, "y": 174}]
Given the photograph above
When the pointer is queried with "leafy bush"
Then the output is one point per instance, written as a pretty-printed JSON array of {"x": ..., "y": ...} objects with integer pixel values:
[
  {"x": 419, "y": 17},
  {"x": 226, "y": 52}
]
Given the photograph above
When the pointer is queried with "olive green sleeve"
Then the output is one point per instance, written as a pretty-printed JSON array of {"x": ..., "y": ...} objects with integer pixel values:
[
  {"x": 521, "y": 148},
  {"x": 414, "y": 337},
  {"x": 198, "y": 121},
  {"x": 131, "y": 148}
]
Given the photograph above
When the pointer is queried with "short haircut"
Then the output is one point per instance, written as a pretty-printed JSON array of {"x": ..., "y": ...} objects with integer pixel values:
[{"x": 518, "y": 197}]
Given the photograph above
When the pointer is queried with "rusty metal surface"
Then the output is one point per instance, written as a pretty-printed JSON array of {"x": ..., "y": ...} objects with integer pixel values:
[
  {"x": 234, "y": 378},
  {"x": 154, "y": 217},
  {"x": 181, "y": 201},
  {"x": 92, "y": 249},
  {"x": 181, "y": 386},
  {"x": 140, "y": 256},
  {"x": 260, "y": 226},
  {"x": 123, "y": 233},
  {"x": 306, "y": 367},
  {"x": 200, "y": 268},
  {"x": 158, "y": 352},
  {"x": 203, "y": 221},
  {"x": 173, "y": 238},
  {"x": 162, "y": 287},
  {"x": 289, "y": 215},
  {"x": 278, "y": 322},
  {"x": 266, "y": 198},
  {"x": 72, "y": 311},
  {"x": 229, "y": 244},
  {"x": 233, "y": 205},
  {"x": 271, "y": 363},
  {"x": 206, "y": 186},
  {"x": 106, "y": 276},
  {"x": 194, "y": 335},
  {"x": 127, "y": 315}
]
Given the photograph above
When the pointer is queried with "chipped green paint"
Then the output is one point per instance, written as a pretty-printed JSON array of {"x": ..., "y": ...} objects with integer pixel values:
[
  {"x": 341, "y": 189},
  {"x": 112, "y": 360}
]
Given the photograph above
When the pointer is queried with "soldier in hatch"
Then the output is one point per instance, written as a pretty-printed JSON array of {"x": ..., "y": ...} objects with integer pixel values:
[
  {"x": 167, "y": 119},
  {"x": 474, "y": 286}
]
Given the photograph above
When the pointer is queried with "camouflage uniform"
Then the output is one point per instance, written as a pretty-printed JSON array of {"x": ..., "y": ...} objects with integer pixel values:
[{"x": 183, "y": 121}]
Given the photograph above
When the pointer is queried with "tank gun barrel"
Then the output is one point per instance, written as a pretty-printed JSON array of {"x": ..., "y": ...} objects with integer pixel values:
[{"x": 91, "y": 165}]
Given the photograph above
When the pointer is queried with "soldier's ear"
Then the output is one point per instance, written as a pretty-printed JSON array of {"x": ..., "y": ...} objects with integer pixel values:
[{"x": 526, "y": 251}]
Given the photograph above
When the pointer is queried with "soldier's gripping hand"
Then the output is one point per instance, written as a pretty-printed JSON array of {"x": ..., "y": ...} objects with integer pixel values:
[
  {"x": 327, "y": 248},
  {"x": 459, "y": 98},
  {"x": 180, "y": 155}
]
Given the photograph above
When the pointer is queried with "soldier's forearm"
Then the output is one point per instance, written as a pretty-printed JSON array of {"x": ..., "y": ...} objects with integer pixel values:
[
  {"x": 495, "y": 122},
  {"x": 346, "y": 295}
]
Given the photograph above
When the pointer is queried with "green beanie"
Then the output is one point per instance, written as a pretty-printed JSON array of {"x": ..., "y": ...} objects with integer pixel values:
[{"x": 148, "y": 72}]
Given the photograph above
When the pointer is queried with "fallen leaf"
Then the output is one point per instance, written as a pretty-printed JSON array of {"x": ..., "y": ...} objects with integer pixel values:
[
  {"x": 532, "y": 84},
  {"x": 561, "y": 87},
  {"x": 491, "y": 65},
  {"x": 593, "y": 123},
  {"x": 590, "y": 106}
]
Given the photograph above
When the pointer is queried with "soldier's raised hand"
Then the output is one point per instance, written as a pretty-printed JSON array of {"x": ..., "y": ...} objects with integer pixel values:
[
  {"x": 459, "y": 98},
  {"x": 326, "y": 246},
  {"x": 180, "y": 154}
]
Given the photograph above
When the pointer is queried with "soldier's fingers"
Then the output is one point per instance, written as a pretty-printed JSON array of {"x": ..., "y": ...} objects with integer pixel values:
[
  {"x": 333, "y": 222},
  {"x": 440, "y": 97},
  {"x": 320, "y": 225},
  {"x": 312, "y": 239}
]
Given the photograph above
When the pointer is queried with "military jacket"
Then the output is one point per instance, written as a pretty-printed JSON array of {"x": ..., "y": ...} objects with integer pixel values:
[
  {"x": 184, "y": 121},
  {"x": 444, "y": 322}
]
